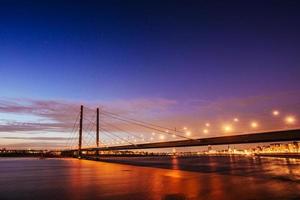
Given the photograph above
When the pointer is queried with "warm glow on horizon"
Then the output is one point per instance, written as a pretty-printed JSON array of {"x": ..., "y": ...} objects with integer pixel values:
[{"x": 205, "y": 131}]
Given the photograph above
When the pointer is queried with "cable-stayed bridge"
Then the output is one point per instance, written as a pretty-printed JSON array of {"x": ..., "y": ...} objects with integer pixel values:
[{"x": 108, "y": 131}]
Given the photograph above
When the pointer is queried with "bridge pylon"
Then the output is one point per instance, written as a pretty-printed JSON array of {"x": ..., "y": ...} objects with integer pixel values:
[
  {"x": 97, "y": 128},
  {"x": 80, "y": 131}
]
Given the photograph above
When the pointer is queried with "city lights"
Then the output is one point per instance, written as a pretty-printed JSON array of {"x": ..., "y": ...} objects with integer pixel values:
[{"x": 290, "y": 120}]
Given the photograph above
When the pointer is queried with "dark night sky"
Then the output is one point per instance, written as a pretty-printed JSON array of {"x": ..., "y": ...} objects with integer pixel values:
[{"x": 125, "y": 50}]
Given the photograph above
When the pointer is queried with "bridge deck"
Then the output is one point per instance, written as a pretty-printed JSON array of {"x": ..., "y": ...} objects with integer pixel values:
[{"x": 273, "y": 136}]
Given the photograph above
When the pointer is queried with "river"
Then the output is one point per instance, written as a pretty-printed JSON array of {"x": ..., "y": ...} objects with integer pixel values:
[{"x": 154, "y": 178}]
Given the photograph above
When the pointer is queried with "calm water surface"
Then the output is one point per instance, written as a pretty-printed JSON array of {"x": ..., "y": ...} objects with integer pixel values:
[{"x": 163, "y": 178}]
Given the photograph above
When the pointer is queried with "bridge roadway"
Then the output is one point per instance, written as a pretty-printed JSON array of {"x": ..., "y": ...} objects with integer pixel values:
[{"x": 272, "y": 136}]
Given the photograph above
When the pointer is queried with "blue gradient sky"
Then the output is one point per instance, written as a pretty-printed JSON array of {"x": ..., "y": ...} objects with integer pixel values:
[{"x": 182, "y": 51}]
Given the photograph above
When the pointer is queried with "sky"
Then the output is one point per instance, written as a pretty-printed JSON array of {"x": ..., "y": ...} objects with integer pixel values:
[{"x": 175, "y": 63}]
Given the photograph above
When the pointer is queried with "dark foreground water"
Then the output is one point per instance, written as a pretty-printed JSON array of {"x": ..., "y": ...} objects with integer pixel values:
[{"x": 187, "y": 178}]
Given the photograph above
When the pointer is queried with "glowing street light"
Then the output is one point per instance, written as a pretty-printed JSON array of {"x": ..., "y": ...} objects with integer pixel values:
[
  {"x": 254, "y": 124},
  {"x": 275, "y": 113},
  {"x": 235, "y": 119},
  {"x": 162, "y": 137},
  {"x": 173, "y": 135},
  {"x": 188, "y": 133},
  {"x": 227, "y": 128},
  {"x": 290, "y": 120}
]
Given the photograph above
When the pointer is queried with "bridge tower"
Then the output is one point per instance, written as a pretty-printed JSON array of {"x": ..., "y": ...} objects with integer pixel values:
[
  {"x": 97, "y": 130},
  {"x": 80, "y": 131}
]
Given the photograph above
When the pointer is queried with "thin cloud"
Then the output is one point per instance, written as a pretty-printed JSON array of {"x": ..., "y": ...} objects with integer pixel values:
[
  {"x": 36, "y": 138},
  {"x": 62, "y": 114}
]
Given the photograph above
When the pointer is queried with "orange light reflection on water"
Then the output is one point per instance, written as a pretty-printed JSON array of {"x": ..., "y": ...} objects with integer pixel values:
[{"x": 81, "y": 179}]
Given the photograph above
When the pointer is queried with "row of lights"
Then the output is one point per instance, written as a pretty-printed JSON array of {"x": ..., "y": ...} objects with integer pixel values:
[{"x": 289, "y": 120}]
